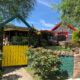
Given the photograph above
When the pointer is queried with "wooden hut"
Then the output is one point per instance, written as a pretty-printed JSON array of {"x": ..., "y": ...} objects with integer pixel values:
[
  {"x": 11, "y": 31},
  {"x": 59, "y": 30}
]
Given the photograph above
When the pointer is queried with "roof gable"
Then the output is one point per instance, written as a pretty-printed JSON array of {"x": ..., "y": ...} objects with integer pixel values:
[
  {"x": 12, "y": 18},
  {"x": 68, "y": 26}
]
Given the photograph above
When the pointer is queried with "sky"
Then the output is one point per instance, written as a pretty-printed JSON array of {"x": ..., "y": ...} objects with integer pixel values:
[{"x": 43, "y": 16}]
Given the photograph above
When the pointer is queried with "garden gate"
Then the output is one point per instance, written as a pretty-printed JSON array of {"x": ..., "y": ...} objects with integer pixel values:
[{"x": 14, "y": 55}]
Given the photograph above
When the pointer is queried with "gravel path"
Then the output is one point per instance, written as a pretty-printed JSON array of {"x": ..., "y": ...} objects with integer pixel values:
[
  {"x": 19, "y": 74},
  {"x": 16, "y": 74}
]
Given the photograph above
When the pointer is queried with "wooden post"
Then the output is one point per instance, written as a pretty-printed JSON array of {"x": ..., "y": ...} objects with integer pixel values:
[
  {"x": 76, "y": 72},
  {"x": 1, "y": 37},
  {"x": 1, "y": 48}
]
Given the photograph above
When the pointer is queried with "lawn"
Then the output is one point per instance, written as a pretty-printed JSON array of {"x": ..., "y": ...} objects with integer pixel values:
[{"x": 58, "y": 48}]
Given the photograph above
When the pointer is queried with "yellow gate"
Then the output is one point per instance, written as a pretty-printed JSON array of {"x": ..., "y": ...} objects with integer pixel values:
[{"x": 14, "y": 55}]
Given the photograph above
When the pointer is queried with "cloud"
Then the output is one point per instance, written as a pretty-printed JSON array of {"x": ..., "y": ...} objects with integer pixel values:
[
  {"x": 47, "y": 25},
  {"x": 31, "y": 22},
  {"x": 44, "y": 3},
  {"x": 42, "y": 25}
]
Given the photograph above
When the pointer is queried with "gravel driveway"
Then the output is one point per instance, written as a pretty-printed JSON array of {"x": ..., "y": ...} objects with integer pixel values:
[{"x": 16, "y": 74}]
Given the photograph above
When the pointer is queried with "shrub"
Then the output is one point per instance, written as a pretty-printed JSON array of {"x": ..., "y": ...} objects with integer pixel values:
[
  {"x": 46, "y": 64},
  {"x": 19, "y": 40},
  {"x": 75, "y": 36},
  {"x": 61, "y": 37}
]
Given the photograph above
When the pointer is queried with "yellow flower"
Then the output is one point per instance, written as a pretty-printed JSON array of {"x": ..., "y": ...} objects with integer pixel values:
[{"x": 38, "y": 33}]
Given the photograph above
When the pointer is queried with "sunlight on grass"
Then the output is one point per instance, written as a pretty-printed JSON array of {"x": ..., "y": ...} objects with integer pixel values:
[
  {"x": 58, "y": 48},
  {"x": 31, "y": 71}
]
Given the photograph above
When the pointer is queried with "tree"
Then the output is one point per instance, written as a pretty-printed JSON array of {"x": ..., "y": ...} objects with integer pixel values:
[
  {"x": 9, "y": 8},
  {"x": 70, "y": 11}
]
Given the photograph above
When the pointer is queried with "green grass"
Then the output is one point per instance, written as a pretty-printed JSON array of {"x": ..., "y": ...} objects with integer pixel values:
[{"x": 58, "y": 48}]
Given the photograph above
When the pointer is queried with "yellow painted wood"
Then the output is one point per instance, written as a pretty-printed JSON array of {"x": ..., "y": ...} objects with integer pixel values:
[{"x": 14, "y": 55}]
